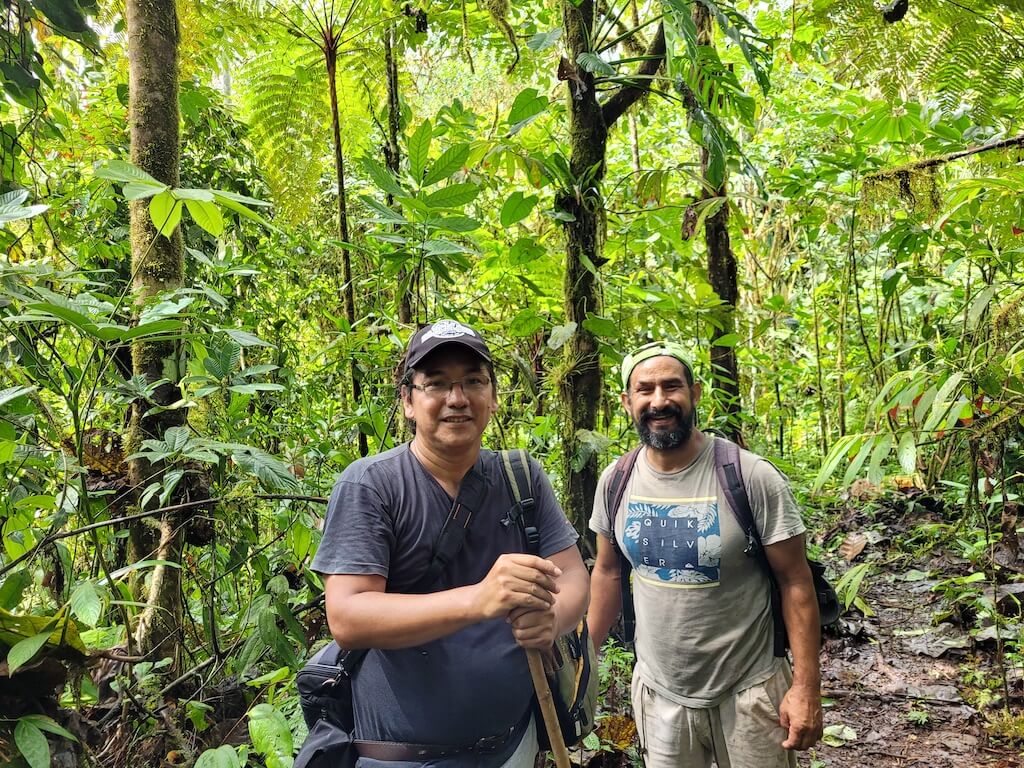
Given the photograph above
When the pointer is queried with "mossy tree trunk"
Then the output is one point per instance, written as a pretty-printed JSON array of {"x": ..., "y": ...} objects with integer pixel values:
[
  {"x": 589, "y": 122},
  {"x": 722, "y": 272},
  {"x": 157, "y": 266}
]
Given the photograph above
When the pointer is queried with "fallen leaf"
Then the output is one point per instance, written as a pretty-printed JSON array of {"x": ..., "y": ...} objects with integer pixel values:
[
  {"x": 838, "y": 735},
  {"x": 853, "y": 546},
  {"x": 618, "y": 730},
  {"x": 913, "y": 575},
  {"x": 863, "y": 490},
  {"x": 938, "y": 642}
]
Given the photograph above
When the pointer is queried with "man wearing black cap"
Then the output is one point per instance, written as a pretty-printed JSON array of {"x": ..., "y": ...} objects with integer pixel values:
[
  {"x": 447, "y": 682},
  {"x": 707, "y": 685}
]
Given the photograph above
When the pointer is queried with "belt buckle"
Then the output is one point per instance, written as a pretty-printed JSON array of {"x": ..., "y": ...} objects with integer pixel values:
[{"x": 489, "y": 744}]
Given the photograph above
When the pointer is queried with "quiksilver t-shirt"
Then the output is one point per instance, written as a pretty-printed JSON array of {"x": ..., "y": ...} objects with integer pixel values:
[{"x": 703, "y": 612}]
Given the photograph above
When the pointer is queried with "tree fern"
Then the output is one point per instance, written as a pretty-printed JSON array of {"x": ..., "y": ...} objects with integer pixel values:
[
  {"x": 968, "y": 54},
  {"x": 283, "y": 94},
  {"x": 285, "y": 104}
]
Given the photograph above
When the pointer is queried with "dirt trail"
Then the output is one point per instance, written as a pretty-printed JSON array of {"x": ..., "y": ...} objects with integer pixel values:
[{"x": 896, "y": 680}]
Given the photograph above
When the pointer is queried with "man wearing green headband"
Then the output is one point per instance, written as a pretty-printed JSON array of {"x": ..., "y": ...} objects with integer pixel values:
[{"x": 707, "y": 684}]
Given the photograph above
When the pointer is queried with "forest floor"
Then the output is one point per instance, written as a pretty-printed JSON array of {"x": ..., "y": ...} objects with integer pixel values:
[{"x": 908, "y": 686}]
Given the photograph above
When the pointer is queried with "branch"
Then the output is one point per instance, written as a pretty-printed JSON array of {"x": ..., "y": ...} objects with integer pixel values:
[
  {"x": 931, "y": 162},
  {"x": 51, "y": 538},
  {"x": 628, "y": 95},
  {"x": 632, "y": 40}
]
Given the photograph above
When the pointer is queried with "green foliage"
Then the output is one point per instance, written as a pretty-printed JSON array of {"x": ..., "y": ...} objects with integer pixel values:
[
  {"x": 849, "y": 586},
  {"x": 30, "y": 738},
  {"x": 956, "y": 52}
]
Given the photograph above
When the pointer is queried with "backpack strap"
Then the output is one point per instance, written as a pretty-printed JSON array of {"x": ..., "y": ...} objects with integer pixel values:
[
  {"x": 516, "y": 466},
  {"x": 730, "y": 478},
  {"x": 615, "y": 490}
]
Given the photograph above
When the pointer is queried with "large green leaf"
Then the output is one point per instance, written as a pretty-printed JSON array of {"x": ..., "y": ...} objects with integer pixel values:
[
  {"x": 516, "y": 208},
  {"x": 271, "y": 736},
  {"x": 86, "y": 603},
  {"x": 23, "y": 652},
  {"x": 456, "y": 223},
  {"x": 450, "y": 161},
  {"x": 240, "y": 205},
  {"x": 381, "y": 176},
  {"x": 593, "y": 63},
  {"x": 419, "y": 150},
  {"x": 906, "y": 452},
  {"x": 16, "y": 628},
  {"x": 223, "y": 756},
  {"x": 44, "y": 723},
  {"x": 943, "y": 402},
  {"x": 601, "y": 326},
  {"x": 165, "y": 212},
  {"x": 206, "y": 215},
  {"x": 13, "y": 588},
  {"x": 526, "y": 323},
  {"x": 452, "y": 196},
  {"x": 12, "y": 208},
  {"x": 120, "y": 171},
  {"x": 32, "y": 744},
  {"x": 271, "y": 472},
  {"x": 13, "y": 393},
  {"x": 528, "y": 104},
  {"x": 66, "y": 15}
]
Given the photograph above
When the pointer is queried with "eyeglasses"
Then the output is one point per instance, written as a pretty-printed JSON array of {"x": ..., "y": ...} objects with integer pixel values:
[{"x": 471, "y": 385}]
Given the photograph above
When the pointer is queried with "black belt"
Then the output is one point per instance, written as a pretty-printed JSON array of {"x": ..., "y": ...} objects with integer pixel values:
[{"x": 399, "y": 751}]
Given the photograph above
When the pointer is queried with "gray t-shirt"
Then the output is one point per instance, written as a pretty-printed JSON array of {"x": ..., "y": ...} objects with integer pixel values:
[
  {"x": 384, "y": 518},
  {"x": 703, "y": 612}
]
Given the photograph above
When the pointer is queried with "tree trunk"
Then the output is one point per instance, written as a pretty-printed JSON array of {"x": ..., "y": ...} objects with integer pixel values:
[
  {"x": 157, "y": 266},
  {"x": 393, "y": 159},
  {"x": 581, "y": 383},
  {"x": 330, "y": 51},
  {"x": 721, "y": 275}
]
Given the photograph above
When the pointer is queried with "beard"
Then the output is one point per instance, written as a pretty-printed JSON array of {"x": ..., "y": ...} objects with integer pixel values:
[{"x": 666, "y": 439}]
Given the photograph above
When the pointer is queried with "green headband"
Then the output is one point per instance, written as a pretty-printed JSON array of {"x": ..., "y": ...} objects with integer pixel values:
[{"x": 654, "y": 349}]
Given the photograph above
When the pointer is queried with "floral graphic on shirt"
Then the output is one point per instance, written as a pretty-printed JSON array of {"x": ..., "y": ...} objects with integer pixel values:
[{"x": 674, "y": 542}]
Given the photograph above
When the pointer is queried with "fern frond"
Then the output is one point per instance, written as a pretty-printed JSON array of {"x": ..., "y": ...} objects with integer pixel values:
[{"x": 969, "y": 56}]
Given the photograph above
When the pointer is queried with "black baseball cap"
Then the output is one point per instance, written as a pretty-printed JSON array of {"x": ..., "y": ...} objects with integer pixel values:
[{"x": 442, "y": 332}]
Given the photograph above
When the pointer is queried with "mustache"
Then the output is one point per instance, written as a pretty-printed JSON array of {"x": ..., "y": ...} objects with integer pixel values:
[{"x": 660, "y": 413}]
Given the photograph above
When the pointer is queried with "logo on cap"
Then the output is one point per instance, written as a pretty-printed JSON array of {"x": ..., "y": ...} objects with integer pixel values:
[{"x": 447, "y": 329}]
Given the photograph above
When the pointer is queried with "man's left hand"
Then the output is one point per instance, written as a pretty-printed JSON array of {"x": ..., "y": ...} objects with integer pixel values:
[
  {"x": 800, "y": 714},
  {"x": 534, "y": 627}
]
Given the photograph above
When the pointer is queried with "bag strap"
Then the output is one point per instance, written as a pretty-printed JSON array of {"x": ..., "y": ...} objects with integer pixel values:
[
  {"x": 615, "y": 490},
  {"x": 449, "y": 542},
  {"x": 516, "y": 466},
  {"x": 730, "y": 476}
]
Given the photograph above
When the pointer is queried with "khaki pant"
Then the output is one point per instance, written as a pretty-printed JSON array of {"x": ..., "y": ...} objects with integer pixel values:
[
  {"x": 526, "y": 753},
  {"x": 741, "y": 732}
]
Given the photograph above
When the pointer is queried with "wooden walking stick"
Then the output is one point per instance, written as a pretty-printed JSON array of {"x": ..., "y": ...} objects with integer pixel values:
[{"x": 547, "y": 708}]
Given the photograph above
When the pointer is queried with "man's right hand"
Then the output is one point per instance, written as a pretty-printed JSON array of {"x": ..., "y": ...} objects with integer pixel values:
[{"x": 516, "y": 581}]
